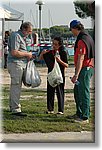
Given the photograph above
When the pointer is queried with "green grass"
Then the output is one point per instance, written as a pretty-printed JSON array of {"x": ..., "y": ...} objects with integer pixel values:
[
  {"x": 71, "y": 60},
  {"x": 33, "y": 103}
]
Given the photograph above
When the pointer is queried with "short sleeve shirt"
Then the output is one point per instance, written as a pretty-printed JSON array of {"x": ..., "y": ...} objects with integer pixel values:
[
  {"x": 82, "y": 50},
  {"x": 16, "y": 42}
]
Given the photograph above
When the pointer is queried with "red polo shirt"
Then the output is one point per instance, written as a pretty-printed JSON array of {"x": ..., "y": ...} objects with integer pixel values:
[{"x": 81, "y": 49}]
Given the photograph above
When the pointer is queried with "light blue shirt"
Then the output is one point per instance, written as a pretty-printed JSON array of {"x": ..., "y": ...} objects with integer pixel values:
[{"x": 16, "y": 42}]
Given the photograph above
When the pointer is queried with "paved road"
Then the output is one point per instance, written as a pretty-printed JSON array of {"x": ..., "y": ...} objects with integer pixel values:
[{"x": 80, "y": 137}]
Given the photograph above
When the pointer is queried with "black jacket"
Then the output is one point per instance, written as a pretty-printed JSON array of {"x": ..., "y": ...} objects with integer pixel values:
[
  {"x": 87, "y": 39},
  {"x": 49, "y": 60}
]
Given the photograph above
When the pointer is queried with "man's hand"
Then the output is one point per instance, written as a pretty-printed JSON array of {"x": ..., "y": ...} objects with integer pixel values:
[
  {"x": 20, "y": 54},
  {"x": 74, "y": 78},
  {"x": 29, "y": 55}
]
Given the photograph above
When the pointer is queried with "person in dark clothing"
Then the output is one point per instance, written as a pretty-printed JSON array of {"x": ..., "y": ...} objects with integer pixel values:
[
  {"x": 84, "y": 69},
  {"x": 49, "y": 57},
  {"x": 5, "y": 42}
]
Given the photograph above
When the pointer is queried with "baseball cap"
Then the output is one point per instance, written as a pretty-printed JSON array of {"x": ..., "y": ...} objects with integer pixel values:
[{"x": 74, "y": 23}]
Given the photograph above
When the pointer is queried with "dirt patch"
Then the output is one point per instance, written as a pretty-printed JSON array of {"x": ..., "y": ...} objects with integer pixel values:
[{"x": 5, "y": 78}]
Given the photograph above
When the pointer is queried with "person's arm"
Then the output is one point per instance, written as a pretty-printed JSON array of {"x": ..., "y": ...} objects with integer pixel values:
[
  {"x": 61, "y": 62},
  {"x": 42, "y": 53},
  {"x": 81, "y": 53},
  {"x": 78, "y": 67},
  {"x": 14, "y": 43},
  {"x": 20, "y": 54},
  {"x": 41, "y": 56}
]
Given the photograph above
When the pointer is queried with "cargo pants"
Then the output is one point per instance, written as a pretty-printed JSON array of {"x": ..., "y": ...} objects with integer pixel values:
[
  {"x": 15, "y": 70},
  {"x": 82, "y": 93}
]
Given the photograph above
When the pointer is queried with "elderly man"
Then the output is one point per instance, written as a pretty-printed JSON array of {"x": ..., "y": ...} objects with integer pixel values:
[{"x": 17, "y": 60}]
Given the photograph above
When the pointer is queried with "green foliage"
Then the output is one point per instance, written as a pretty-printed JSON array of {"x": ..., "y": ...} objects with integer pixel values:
[
  {"x": 90, "y": 31},
  {"x": 85, "y": 9},
  {"x": 62, "y": 31},
  {"x": 57, "y": 31}
]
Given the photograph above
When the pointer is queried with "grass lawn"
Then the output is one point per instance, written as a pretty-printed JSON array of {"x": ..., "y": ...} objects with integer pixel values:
[{"x": 33, "y": 103}]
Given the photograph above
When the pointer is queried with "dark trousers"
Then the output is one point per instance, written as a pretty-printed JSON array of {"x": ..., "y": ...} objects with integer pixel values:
[
  {"x": 82, "y": 93},
  {"x": 60, "y": 96},
  {"x": 5, "y": 60}
]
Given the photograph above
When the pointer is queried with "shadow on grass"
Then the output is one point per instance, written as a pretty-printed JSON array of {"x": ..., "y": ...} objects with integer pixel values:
[
  {"x": 41, "y": 122},
  {"x": 6, "y": 89},
  {"x": 42, "y": 116},
  {"x": 37, "y": 120}
]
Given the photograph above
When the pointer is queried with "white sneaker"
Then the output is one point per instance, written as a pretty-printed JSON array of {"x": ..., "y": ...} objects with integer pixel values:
[
  {"x": 60, "y": 113},
  {"x": 49, "y": 112},
  {"x": 81, "y": 120}
]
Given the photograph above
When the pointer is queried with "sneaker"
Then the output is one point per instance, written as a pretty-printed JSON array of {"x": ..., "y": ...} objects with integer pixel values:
[
  {"x": 73, "y": 116},
  {"x": 19, "y": 114},
  {"x": 49, "y": 112},
  {"x": 78, "y": 120},
  {"x": 60, "y": 113}
]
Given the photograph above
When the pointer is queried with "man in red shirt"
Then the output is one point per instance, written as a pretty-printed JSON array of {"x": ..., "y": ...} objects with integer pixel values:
[{"x": 84, "y": 64}]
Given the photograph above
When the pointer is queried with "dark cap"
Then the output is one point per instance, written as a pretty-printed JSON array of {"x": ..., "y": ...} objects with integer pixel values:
[{"x": 74, "y": 23}]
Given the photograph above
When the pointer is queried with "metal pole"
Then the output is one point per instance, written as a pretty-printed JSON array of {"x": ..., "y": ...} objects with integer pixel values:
[
  {"x": 3, "y": 35},
  {"x": 37, "y": 20},
  {"x": 40, "y": 23},
  {"x": 40, "y": 3},
  {"x": 49, "y": 25}
]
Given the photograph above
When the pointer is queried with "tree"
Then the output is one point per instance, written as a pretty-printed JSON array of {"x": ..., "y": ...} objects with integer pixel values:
[
  {"x": 56, "y": 31},
  {"x": 85, "y": 9}
]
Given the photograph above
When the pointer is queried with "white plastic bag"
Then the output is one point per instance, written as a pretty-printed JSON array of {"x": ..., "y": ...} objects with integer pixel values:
[
  {"x": 31, "y": 75},
  {"x": 26, "y": 78},
  {"x": 55, "y": 76},
  {"x": 35, "y": 77}
]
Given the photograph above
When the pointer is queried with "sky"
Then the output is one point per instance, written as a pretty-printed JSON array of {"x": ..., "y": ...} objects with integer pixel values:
[{"x": 59, "y": 12}]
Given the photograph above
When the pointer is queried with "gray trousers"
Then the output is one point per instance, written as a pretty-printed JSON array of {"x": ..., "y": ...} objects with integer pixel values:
[{"x": 15, "y": 70}]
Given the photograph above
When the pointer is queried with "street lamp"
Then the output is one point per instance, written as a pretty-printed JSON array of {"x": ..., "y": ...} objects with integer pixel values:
[{"x": 40, "y": 3}]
